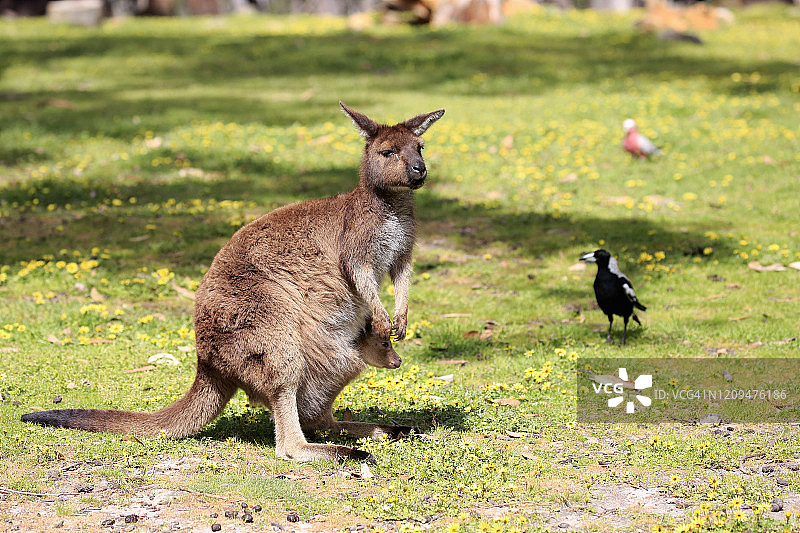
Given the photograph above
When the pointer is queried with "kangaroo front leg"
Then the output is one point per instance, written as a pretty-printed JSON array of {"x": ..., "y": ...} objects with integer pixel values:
[
  {"x": 291, "y": 444},
  {"x": 401, "y": 277},
  {"x": 367, "y": 287}
]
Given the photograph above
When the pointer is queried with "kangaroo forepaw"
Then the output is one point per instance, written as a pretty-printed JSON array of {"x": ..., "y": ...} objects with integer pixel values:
[{"x": 399, "y": 328}]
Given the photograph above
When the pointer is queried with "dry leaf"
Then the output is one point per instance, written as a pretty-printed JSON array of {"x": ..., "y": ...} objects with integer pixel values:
[
  {"x": 132, "y": 438},
  {"x": 486, "y": 334},
  {"x": 513, "y": 402},
  {"x": 758, "y": 267},
  {"x": 456, "y": 315},
  {"x": 95, "y": 295},
  {"x": 715, "y": 297},
  {"x": 577, "y": 267},
  {"x": 153, "y": 143},
  {"x": 516, "y": 434},
  {"x": 52, "y": 338},
  {"x": 569, "y": 178},
  {"x": 140, "y": 238},
  {"x": 291, "y": 476},
  {"x": 508, "y": 142},
  {"x": 736, "y": 318},
  {"x": 6, "y": 349},
  {"x": 460, "y": 362},
  {"x": 140, "y": 369},
  {"x": 366, "y": 473},
  {"x": 471, "y": 334},
  {"x": 529, "y": 455},
  {"x": 61, "y": 103},
  {"x": 795, "y": 265},
  {"x": 447, "y": 377},
  {"x": 163, "y": 357},
  {"x": 66, "y": 331}
]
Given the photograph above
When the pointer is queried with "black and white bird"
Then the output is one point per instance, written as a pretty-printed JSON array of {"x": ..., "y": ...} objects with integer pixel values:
[{"x": 613, "y": 290}]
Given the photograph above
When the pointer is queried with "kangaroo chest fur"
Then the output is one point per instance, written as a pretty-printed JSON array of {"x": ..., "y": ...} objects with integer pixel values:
[{"x": 394, "y": 239}]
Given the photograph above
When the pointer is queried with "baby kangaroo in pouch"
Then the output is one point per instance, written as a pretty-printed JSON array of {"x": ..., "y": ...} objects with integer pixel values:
[{"x": 289, "y": 310}]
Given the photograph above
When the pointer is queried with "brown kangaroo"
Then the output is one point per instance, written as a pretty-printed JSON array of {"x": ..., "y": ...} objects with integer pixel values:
[{"x": 281, "y": 310}]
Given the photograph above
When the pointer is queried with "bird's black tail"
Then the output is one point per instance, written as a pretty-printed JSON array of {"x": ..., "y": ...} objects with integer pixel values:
[{"x": 637, "y": 305}]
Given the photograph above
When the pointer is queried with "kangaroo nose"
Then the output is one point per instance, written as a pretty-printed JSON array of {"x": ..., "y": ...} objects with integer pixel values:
[{"x": 418, "y": 168}]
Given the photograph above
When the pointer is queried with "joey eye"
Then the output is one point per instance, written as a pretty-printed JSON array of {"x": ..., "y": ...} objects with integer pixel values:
[
  {"x": 387, "y": 153},
  {"x": 420, "y": 148}
]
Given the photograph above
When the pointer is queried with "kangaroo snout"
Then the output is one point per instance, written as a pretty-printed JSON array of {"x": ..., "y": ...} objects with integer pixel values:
[
  {"x": 395, "y": 361},
  {"x": 416, "y": 174}
]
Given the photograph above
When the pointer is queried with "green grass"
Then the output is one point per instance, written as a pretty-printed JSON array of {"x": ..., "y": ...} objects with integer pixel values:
[{"x": 130, "y": 153}]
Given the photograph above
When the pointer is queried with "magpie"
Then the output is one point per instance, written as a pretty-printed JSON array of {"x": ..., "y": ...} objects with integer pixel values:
[{"x": 614, "y": 291}]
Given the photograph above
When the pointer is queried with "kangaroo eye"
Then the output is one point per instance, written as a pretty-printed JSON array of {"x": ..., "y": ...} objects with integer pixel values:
[
  {"x": 385, "y": 344},
  {"x": 387, "y": 153},
  {"x": 420, "y": 148}
]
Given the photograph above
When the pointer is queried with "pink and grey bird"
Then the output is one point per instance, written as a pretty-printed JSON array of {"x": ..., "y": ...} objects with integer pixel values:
[{"x": 637, "y": 144}]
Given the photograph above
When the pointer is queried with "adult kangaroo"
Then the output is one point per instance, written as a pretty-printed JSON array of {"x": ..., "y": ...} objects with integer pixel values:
[{"x": 284, "y": 303}]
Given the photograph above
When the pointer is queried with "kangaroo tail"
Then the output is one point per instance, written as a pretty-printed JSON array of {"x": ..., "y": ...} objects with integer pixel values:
[{"x": 204, "y": 401}]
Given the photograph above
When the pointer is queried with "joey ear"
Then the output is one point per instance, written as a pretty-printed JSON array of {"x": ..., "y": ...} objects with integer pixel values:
[
  {"x": 420, "y": 124},
  {"x": 366, "y": 126}
]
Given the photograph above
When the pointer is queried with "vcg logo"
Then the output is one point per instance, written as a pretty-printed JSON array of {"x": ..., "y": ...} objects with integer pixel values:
[{"x": 617, "y": 387}]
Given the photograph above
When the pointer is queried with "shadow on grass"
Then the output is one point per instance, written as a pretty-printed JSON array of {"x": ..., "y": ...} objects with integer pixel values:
[
  {"x": 191, "y": 240},
  {"x": 222, "y": 76},
  {"x": 257, "y": 427}
]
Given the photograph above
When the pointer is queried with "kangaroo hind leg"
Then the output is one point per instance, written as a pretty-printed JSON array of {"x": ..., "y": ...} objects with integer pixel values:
[{"x": 290, "y": 443}]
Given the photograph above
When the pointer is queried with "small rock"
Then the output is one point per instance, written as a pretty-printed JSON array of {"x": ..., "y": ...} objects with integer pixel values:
[
  {"x": 292, "y": 517},
  {"x": 57, "y": 399},
  {"x": 83, "y": 487},
  {"x": 777, "y": 505},
  {"x": 563, "y": 525},
  {"x": 766, "y": 469},
  {"x": 58, "y": 524},
  {"x": 214, "y": 515},
  {"x": 247, "y": 518},
  {"x": 215, "y": 527},
  {"x": 107, "y": 522},
  {"x": 257, "y": 508},
  {"x": 276, "y": 526},
  {"x": 131, "y": 519},
  {"x": 793, "y": 466},
  {"x": 231, "y": 514},
  {"x": 244, "y": 505},
  {"x": 782, "y": 482}
]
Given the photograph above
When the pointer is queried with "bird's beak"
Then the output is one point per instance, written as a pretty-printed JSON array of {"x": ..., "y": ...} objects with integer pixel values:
[{"x": 588, "y": 257}]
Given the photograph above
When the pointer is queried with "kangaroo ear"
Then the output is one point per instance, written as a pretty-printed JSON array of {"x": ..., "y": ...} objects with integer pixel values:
[
  {"x": 365, "y": 125},
  {"x": 420, "y": 124}
]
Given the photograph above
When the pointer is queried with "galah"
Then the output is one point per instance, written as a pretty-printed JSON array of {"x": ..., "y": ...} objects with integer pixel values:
[{"x": 637, "y": 144}]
